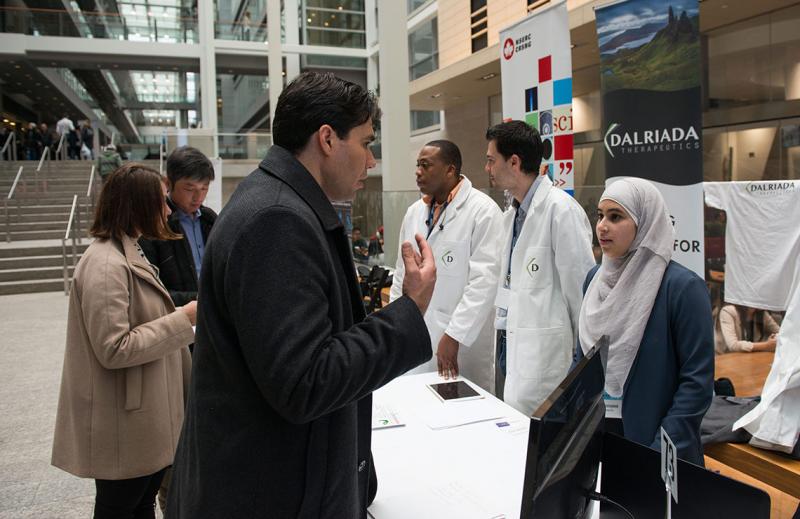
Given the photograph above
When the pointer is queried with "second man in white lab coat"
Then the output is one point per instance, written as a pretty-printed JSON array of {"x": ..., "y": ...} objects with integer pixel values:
[
  {"x": 546, "y": 253},
  {"x": 462, "y": 226}
]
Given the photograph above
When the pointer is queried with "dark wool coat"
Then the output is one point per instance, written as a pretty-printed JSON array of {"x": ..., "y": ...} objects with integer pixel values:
[
  {"x": 174, "y": 257},
  {"x": 278, "y": 423}
]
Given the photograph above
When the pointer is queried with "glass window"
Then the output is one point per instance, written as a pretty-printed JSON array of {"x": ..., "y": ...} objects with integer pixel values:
[
  {"x": 423, "y": 50},
  {"x": 334, "y": 24},
  {"x": 413, "y": 5},
  {"x": 755, "y": 61},
  {"x": 424, "y": 119}
]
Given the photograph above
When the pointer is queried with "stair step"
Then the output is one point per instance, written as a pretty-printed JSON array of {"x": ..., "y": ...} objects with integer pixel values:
[
  {"x": 34, "y": 262},
  {"x": 37, "y": 217},
  {"x": 39, "y": 235},
  {"x": 51, "y": 250},
  {"x": 37, "y": 226},
  {"x": 29, "y": 287},
  {"x": 33, "y": 274}
]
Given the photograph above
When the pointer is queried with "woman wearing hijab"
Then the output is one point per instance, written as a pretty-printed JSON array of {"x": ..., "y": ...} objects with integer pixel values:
[{"x": 657, "y": 316}]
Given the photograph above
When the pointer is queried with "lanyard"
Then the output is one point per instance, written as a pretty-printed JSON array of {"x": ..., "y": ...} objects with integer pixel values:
[
  {"x": 514, "y": 237},
  {"x": 430, "y": 223}
]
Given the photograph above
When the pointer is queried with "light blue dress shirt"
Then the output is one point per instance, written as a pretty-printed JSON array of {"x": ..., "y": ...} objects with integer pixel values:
[{"x": 194, "y": 233}]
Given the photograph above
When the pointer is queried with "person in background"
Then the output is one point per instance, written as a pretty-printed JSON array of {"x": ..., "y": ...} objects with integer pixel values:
[
  {"x": 546, "y": 254},
  {"x": 108, "y": 162},
  {"x": 87, "y": 140},
  {"x": 179, "y": 262},
  {"x": 360, "y": 247},
  {"x": 64, "y": 125},
  {"x": 73, "y": 143},
  {"x": 376, "y": 247},
  {"x": 126, "y": 361},
  {"x": 46, "y": 138},
  {"x": 463, "y": 227},
  {"x": 32, "y": 141},
  {"x": 741, "y": 328},
  {"x": 657, "y": 317}
]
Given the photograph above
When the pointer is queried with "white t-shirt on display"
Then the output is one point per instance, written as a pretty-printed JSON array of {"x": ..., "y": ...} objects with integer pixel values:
[{"x": 762, "y": 239}]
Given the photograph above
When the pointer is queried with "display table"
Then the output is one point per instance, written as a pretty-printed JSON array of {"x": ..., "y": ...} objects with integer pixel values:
[
  {"x": 468, "y": 471},
  {"x": 473, "y": 471},
  {"x": 747, "y": 371}
]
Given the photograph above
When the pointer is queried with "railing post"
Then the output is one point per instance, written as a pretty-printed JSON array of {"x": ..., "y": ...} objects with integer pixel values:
[
  {"x": 64, "y": 265},
  {"x": 8, "y": 221}
]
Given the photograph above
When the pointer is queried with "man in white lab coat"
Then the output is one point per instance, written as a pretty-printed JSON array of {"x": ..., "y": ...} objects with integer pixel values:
[
  {"x": 462, "y": 226},
  {"x": 546, "y": 253}
]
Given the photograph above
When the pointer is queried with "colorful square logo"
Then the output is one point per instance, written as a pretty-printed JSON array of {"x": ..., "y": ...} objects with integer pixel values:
[
  {"x": 532, "y": 119},
  {"x": 531, "y": 100},
  {"x": 563, "y": 147},
  {"x": 547, "y": 148},
  {"x": 562, "y": 91},
  {"x": 545, "y": 69},
  {"x": 545, "y": 122}
]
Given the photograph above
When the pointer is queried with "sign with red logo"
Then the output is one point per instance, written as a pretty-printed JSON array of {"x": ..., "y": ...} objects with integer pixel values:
[
  {"x": 508, "y": 48},
  {"x": 537, "y": 86}
]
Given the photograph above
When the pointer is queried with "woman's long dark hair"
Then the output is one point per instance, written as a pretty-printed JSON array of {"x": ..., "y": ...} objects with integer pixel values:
[{"x": 132, "y": 203}]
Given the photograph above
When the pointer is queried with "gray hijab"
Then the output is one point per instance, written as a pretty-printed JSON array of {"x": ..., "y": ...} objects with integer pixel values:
[{"x": 621, "y": 295}]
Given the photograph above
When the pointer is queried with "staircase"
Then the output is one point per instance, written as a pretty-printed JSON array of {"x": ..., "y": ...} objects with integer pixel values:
[{"x": 38, "y": 216}]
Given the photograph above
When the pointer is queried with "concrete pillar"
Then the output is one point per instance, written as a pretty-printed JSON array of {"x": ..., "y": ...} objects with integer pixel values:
[
  {"x": 208, "y": 69},
  {"x": 274, "y": 55},
  {"x": 292, "y": 29},
  {"x": 371, "y": 27},
  {"x": 397, "y": 166}
]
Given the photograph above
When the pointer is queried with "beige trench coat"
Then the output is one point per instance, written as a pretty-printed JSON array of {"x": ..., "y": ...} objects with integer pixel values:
[{"x": 126, "y": 368}]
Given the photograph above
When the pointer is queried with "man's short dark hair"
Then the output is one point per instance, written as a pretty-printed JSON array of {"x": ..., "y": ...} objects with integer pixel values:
[
  {"x": 520, "y": 139},
  {"x": 189, "y": 163},
  {"x": 356, "y": 229},
  {"x": 449, "y": 153},
  {"x": 313, "y": 99}
]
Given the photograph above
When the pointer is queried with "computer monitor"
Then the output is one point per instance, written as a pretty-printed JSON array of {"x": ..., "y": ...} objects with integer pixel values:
[
  {"x": 632, "y": 478},
  {"x": 565, "y": 443}
]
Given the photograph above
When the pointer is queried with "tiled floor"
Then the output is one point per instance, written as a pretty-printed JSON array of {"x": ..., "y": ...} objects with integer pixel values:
[{"x": 32, "y": 330}]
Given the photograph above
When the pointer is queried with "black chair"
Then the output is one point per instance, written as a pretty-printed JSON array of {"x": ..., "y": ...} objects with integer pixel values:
[{"x": 375, "y": 283}]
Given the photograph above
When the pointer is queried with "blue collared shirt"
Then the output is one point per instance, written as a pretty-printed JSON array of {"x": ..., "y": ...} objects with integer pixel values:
[{"x": 194, "y": 233}]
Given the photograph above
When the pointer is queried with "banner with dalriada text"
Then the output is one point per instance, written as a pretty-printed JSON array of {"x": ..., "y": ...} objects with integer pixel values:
[{"x": 652, "y": 114}]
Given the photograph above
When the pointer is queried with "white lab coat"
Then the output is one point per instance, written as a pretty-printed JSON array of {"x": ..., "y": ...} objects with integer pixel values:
[
  {"x": 465, "y": 247},
  {"x": 551, "y": 258},
  {"x": 775, "y": 421}
]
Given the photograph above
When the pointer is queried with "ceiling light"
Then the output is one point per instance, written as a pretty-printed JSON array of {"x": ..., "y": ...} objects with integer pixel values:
[
  {"x": 490, "y": 75},
  {"x": 436, "y": 96}
]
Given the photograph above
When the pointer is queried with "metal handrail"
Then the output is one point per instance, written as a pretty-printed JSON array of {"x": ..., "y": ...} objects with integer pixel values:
[
  {"x": 161, "y": 159},
  {"x": 61, "y": 140},
  {"x": 91, "y": 180},
  {"x": 73, "y": 215},
  {"x": 12, "y": 138},
  {"x": 45, "y": 155},
  {"x": 7, "y": 199},
  {"x": 90, "y": 197},
  {"x": 14, "y": 185}
]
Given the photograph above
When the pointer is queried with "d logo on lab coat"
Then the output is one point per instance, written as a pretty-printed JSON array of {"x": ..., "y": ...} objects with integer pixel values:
[{"x": 531, "y": 267}]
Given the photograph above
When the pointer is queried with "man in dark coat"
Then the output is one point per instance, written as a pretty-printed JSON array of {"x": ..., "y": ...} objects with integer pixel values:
[
  {"x": 189, "y": 174},
  {"x": 278, "y": 421}
]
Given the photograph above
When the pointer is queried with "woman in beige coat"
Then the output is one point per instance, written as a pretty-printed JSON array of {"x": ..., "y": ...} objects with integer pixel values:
[{"x": 126, "y": 364}]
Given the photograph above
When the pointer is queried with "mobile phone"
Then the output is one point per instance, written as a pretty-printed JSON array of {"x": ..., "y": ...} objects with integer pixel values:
[{"x": 452, "y": 391}]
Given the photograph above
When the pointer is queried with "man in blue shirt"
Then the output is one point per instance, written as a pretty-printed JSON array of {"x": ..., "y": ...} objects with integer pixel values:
[{"x": 189, "y": 173}]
